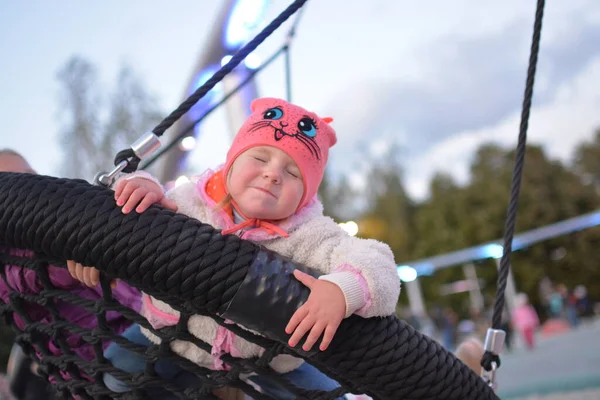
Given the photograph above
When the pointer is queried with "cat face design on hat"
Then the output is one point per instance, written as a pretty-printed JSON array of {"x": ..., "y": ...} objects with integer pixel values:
[
  {"x": 288, "y": 121},
  {"x": 301, "y": 134},
  {"x": 301, "y": 127}
]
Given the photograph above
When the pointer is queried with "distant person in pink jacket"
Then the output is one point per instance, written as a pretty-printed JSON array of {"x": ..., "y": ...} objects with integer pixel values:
[{"x": 525, "y": 319}]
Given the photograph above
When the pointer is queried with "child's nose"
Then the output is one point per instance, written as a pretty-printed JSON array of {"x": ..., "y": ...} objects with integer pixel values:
[{"x": 273, "y": 174}]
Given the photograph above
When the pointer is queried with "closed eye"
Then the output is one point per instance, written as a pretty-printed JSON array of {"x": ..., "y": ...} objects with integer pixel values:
[
  {"x": 294, "y": 174},
  {"x": 260, "y": 159}
]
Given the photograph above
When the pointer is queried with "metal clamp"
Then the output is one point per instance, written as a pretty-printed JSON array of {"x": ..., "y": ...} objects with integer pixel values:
[
  {"x": 145, "y": 145},
  {"x": 107, "y": 178},
  {"x": 489, "y": 377},
  {"x": 494, "y": 343},
  {"x": 142, "y": 148}
]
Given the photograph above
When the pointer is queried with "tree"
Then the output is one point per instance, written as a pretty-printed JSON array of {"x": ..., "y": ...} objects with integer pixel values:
[
  {"x": 455, "y": 218},
  {"x": 95, "y": 130},
  {"x": 337, "y": 197},
  {"x": 388, "y": 215},
  {"x": 587, "y": 161}
]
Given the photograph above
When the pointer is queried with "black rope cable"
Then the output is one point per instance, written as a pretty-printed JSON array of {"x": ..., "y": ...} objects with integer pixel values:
[
  {"x": 238, "y": 57},
  {"x": 511, "y": 217},
  {"x": 283, "y": 49},
  {"x": 185, "y": 132},
  {"x": 196, "y": 270}
]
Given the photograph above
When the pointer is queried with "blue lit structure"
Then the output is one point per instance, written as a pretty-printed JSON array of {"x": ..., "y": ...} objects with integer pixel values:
[
  {"x": 427, "y": 266},
  {"x": 493, "y": 250},
  {"x": 234, "y": 26}
]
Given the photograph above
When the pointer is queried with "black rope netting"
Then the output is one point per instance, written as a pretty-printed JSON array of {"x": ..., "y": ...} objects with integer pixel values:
[{"x": 196, "y": 270}]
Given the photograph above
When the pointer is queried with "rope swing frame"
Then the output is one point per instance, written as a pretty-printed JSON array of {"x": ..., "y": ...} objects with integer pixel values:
[{"x": 207, "y": 273}]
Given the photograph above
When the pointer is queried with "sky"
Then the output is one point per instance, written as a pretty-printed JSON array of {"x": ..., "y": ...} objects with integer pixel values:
[{"x": 437, "y": 78}]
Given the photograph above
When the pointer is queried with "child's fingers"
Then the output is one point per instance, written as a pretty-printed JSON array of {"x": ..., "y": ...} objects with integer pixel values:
[
  {"x": 314, "y": 335},
  {"x": 126, "y": 191},
  {"x": 71, "y": 266},
  {"x": 113, "y": 283},
  {"x": 119, "y": 188},
  {"x": 92, "y": 276},
  {"x": 147, "y": 201},
  {"x": 296, "y": 319},
  {"x": 306, "y": 279},
  {"x": 327, "y": 337},
  {"x": 134, "y": 199},
  {"x": 167, "y": 203},
  {"x": 306, "y": 324},
  {"x": 79, "y": 273}
]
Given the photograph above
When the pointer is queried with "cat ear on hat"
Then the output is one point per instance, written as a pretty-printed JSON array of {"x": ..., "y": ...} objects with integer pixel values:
[{"x": 330, "y": 132}]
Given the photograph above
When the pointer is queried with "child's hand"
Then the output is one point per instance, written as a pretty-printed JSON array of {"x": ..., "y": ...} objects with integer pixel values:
[
  {"x": 141, "y": 192},
  {"x": 323, "y": 311},
  {"x": 90, "y": 276}
]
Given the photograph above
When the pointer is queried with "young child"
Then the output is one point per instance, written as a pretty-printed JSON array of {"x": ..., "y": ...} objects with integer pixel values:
[
  {"x": 266, "y": 193},
  {"x": 25, "y": 280},
  {"x": 525, "y": 320}
]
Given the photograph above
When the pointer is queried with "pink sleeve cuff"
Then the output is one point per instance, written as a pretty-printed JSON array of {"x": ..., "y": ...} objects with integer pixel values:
[
  {"x": 354, "y": 286},
  {"x": 157, "y": 317}
]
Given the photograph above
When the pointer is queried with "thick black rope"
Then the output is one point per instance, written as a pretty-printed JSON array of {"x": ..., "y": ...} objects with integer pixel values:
[
  {"x": 196, "y": 270},
  {"x": 284, "y": 49},
  {"x": 237, "y": 58},
  {"x": 511, "y": 217},
  {"x": 185, "y": 132}
]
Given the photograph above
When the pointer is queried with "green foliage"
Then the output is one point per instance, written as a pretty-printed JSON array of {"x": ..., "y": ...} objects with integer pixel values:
[{"x": 455, "y": 217}]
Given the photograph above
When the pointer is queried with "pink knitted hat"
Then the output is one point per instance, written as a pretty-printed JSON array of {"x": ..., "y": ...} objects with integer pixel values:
[{"x": 301, "y": 134}]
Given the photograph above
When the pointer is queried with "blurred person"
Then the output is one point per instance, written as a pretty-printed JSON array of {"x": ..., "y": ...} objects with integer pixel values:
[
  {"x": 470, "y": 352},
  {"x": 11, "y": 161},
  {"x": 525, "y": 320},
  {"x": 25, "y": 280},
  {"x": 582, "y": 302},
  {"x": 557, "y": 300}
]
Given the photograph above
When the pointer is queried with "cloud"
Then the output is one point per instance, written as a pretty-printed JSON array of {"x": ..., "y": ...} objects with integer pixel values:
[
  {"x": 468, "y": 82},
  {"x": 470, "y": 91},
  {"x": 559, "y": 125}
]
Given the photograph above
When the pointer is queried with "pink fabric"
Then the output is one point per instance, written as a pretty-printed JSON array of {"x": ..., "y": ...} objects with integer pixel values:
[
  {"x": 223, "y": 344},
  {"x": 259, "y": 224},
  {"x": 363, "y": 285},
  {"x": 309, "y": 150},
  {"x": 528, "y": 335},
  {"x": 224, "y": 221},
  {"x": 525, "y": 317},
  {"x": 157, "y": 317},
  {"x": 25, "y": 280}
]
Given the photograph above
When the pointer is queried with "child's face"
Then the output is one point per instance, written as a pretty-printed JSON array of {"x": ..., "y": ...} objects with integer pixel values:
[
  {"x": 13, "y": 163},
  {"x": 265, "y": 183}
]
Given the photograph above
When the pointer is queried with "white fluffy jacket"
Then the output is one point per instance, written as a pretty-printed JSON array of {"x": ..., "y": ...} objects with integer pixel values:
[{"x": 364, "y": 269}]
